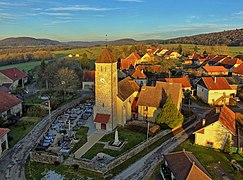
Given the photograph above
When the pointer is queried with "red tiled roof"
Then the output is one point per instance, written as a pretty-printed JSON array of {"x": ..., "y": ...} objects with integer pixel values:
[
  {"x": 184, "y": 165},
  {"x": 217, "y": 58},
  {"x": 102, "y": 118},
  {"x": 138, "y": 74},
  {"x": 106, "y": 57},
  {"x": 194, "y": 56},
  {"x": 219, "y": 69},
  {"x": 239, "y": 69},
  {"x": 7, "y": 101},
  {"x": 13, "y": 73},
  {"x": 231, "y": 62},
  {"x": 216, "y": 83},
  {"x": 3, "y": 131},
  {"x": 227, "y": 119},
  {"x": 240, "y": 56},
  {"x": 184, "y": 81},
  {"x": 89, "y": 76},
  {"x": 130, "y": 60}
]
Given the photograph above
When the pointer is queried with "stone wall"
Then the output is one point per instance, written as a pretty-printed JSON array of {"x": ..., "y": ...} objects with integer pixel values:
[{"x": 44, "y": 157}]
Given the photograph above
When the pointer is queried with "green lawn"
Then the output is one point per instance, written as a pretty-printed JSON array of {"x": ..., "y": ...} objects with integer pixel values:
[
  {"x": 34, "y": 170},
  {"x": 22, "y": 128},
  {"x": 133, "y": 138},
  {"x": 210, "y": 158}
]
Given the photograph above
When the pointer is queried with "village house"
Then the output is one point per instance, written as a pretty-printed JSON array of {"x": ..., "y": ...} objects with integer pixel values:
[
  {"x": 172, "y": 55},
  {"x": 194, "y": 56},
  {"x": 10, "y": 106},
  {"x": 160, "y": 52},
  {"x": 186, "y": 85},
  {"x": 238, "y": 71},
  {"x": 12, "y": 77},
  {"x": 214, "y": 71},
  {"x": 3, "y": 140},
  {"x": 215, "y": 59},
  {"x": 147, "y": 58},
  {"x": 151, "y": 98},
  {"x": 230, "y": 64},
  {"x": 215, "y": 90},
  {"x": 129, "y": 61},
  {"x": 140, "y": 77},
  {"x": 239, "y": 56},
  {"x": 217, "y": 128},
  {"x": 88, "y": 80},
  {"x": 183, "y": 165}
]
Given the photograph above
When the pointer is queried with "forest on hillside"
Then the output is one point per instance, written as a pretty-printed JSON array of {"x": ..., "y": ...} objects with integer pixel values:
[{"x": 229, "y": 38}]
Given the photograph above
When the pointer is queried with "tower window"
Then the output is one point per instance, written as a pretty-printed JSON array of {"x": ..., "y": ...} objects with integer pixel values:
[
  {"x": 101, "y": 68},
  {"x": 103, "y": 105}
]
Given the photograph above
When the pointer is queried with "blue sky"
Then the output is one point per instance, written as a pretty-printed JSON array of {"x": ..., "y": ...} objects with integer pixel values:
[{"x": 89, "y": 20}]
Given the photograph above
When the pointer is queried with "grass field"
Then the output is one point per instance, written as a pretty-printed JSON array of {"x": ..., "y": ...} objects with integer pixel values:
[
  {"x": 211, "y": 158},
  {"x": 132, "y": 138},
  {"x": 22, "y": 128}
]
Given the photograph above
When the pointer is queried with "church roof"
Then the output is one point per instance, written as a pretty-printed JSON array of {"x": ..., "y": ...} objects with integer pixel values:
[
  {"x": 126, "y": 88},
  {"x": 106, "y": 57}
]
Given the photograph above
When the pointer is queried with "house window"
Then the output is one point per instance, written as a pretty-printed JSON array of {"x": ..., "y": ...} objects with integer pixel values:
[
  {"x": 146, "y": 108},
  {"x": 101, "y": 68},
  {"x": 209, "y": 143}
]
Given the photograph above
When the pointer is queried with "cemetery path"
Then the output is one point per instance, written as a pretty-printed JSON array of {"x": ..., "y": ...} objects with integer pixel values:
[{"x": 91, "y": 141}]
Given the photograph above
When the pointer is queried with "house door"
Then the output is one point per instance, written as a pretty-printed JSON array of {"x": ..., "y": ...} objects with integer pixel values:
[
  {"x": 4, "y": 146},
  {"x": 103, "y": 126}
]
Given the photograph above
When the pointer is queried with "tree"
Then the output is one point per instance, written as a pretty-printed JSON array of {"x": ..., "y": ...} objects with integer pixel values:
[
  {"x": 179, "y": 49},
  {"x": 195, "y": 49},
  {"x": 169, "y": 114},
  {"x": 227, "y": 145},
  {"x": 205, "y": 54},
  {"x": 84, "y": 61}
]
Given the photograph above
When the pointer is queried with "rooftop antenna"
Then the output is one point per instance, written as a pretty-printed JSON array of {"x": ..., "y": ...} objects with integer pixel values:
[{"x": 106, "y": 41}]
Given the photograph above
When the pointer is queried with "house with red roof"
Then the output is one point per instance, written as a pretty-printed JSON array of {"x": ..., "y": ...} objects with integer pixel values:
[
  {"x": 214, "y": 71},
  {"x": 139, "y": 77},
  {"x": 215, "y": 90},
  {"x": 10, "y": 106},
  {"x": 230, "y": 64},
  {"x": 12, "y": 77},
  {"x": 238, "y": 71},
  {"x": 3, "y": 140},
  {"x": 185, "y": 82},
  {"x": 183, "y": 165},
  {"x": 216, "y": 128},
  {"x": 129, "y": 61},
  {"x": 88, "y": 80}
]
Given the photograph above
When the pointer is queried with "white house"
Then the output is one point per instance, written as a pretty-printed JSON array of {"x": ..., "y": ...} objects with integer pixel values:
[{"x": 215, "y": 90}]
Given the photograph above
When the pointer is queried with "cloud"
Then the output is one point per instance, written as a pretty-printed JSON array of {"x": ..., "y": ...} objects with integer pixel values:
[
  {"x": 6, "y": 16},
  {"x": 239, "y": 15},
  {"x": 52, "y": 23},
  {"x": 8, "y": 4},
  {"x": 136, "y": 1},
  {"x": 192, "y": 18},
  {"x": 81, "y": 8},
  {"x": 55, "y": 14}
]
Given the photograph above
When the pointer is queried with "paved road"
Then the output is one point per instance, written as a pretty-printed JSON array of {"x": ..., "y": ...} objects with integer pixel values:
[
  {"x": 139, "y": 169},
  {"x": 12, "y": 162}
]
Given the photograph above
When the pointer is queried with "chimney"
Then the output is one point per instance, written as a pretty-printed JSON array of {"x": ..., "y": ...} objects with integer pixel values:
[{"x": 203, "y": 122}]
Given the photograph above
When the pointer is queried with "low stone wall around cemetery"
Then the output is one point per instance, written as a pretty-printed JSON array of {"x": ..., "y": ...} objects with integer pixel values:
[{"x": 44, "y": 157}]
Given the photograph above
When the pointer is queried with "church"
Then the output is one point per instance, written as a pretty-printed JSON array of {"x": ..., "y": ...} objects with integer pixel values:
[
  {"x": 112, "y": 100},
  {"x": 116, "y": 102}
]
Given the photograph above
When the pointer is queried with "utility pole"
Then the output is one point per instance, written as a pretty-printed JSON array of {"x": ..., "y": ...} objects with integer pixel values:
[{"x": 49, "y": 108}]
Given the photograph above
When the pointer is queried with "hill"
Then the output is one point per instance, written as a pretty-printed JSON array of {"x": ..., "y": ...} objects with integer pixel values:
[
  {"x": 96, "y": 43},
  {"x": 28, "y": 41},
  {"x": 230, "y": 38}
]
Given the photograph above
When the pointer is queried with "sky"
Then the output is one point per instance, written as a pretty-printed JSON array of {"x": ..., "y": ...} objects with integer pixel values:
[{"x": 91, "y": 20}]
